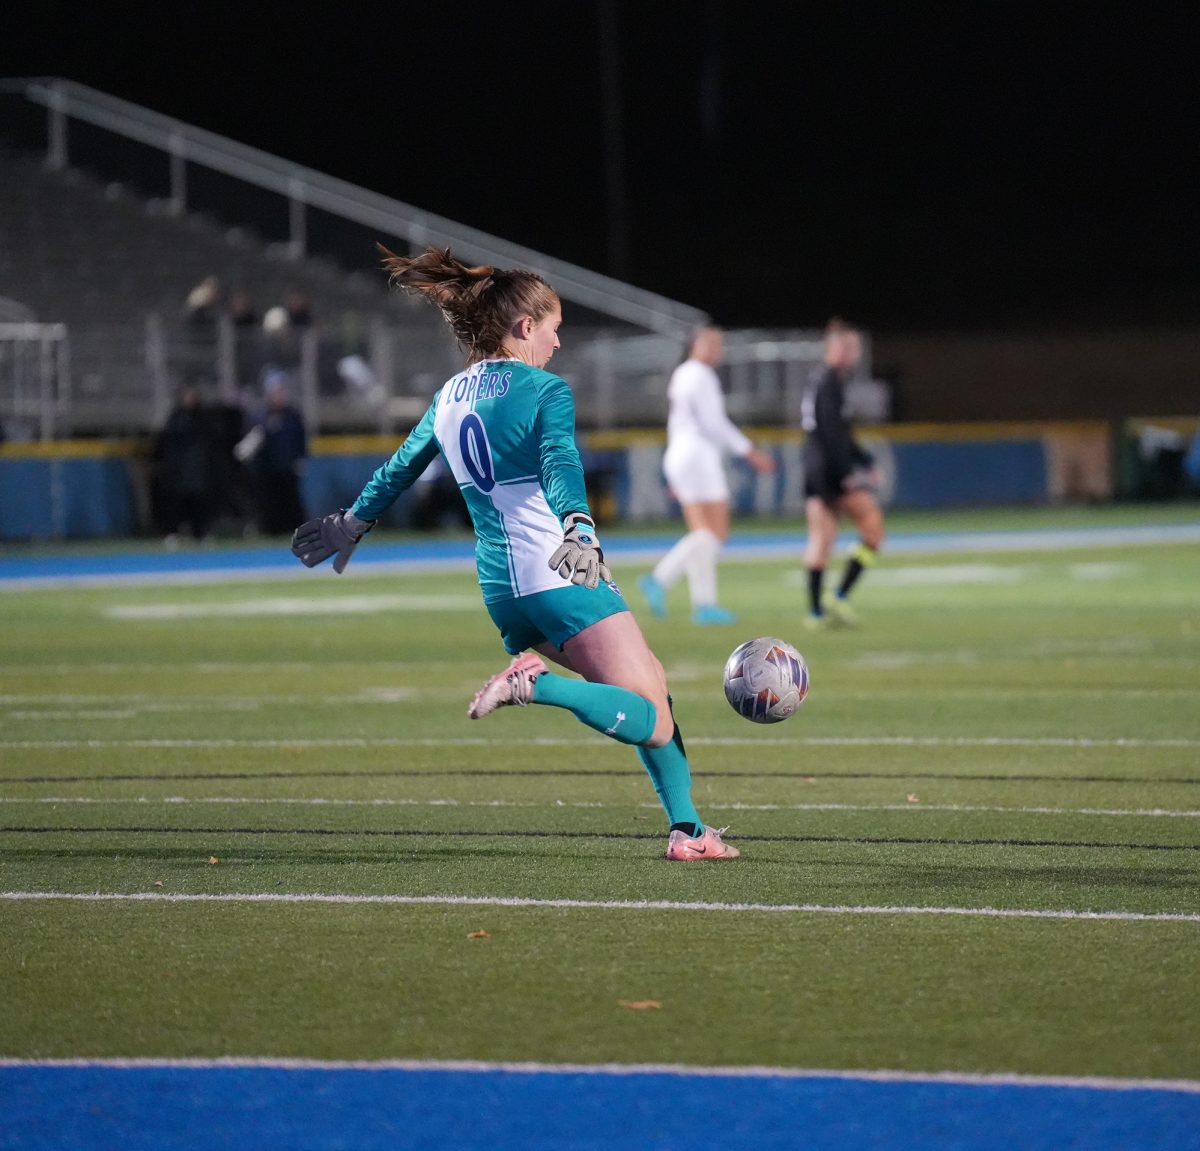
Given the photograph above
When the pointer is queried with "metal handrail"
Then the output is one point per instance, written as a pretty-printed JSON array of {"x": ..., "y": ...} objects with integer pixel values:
[
  {"x": 185, "y": 143},
  {"x": 51, "y": 396}
]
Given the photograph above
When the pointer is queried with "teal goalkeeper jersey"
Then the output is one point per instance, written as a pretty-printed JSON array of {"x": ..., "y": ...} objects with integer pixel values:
[{"x": 507, "y": 432}]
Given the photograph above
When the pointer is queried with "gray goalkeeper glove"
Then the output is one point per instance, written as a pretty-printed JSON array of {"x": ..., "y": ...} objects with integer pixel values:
[
  {"x": 335, "y": 534},
  {"x": 579, "y": 558}
]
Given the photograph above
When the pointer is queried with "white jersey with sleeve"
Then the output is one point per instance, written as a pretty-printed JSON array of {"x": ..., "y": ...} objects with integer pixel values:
[{"x": 699, "y": 434}]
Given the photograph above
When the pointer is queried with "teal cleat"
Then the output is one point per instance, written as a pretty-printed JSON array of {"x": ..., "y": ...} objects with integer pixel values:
[
  {"x": 654, "y": 594},
  {"x": 711, "y": 615}
]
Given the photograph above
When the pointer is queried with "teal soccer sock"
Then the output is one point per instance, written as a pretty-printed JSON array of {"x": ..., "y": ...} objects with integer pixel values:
[
  {"x": 672, "y": 778},
  {"x": 614, "y": 711}
]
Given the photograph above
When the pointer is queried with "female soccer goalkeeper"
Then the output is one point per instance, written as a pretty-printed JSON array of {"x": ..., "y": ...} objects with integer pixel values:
[{"x": 506, "y": 429}]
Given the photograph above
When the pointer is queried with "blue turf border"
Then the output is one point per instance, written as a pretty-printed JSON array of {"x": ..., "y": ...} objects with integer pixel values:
[
  {"x": 171, "y": 1108},
  {"x": 277, "y": 560}
]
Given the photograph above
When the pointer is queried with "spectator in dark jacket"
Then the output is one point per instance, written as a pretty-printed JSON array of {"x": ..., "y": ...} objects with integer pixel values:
[
  {"x": 276, "y": 449},
  {"x": 186, "y": 475}
]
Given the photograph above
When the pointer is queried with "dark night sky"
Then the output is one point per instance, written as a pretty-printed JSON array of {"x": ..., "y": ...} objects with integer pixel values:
[{"x": 967, "y": 164}]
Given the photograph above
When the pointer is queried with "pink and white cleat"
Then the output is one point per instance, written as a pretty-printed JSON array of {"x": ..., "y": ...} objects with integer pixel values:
[
  {"x": 707, "y": 846},
  {"x": 513, "y": 685}
]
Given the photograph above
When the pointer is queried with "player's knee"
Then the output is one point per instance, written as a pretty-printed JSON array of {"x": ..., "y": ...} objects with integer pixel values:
[
  {"x": 664, "y": 720},
  {"x": 664, "y": 727},
  {"x": 719, "y": 534}
]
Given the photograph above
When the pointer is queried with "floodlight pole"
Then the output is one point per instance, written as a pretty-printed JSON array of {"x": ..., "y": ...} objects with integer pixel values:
[
  {"x": 177, "y": 149},
  {"x": 614, "y": 150},
  {"x": 56, "y": 128},
  {"x": 297, "y": 220}
]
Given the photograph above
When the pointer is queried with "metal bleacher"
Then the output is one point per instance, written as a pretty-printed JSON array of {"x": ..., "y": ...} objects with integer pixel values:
[
  {"x": 106, "y": 262},
  {"x": 117, "y": 269}
]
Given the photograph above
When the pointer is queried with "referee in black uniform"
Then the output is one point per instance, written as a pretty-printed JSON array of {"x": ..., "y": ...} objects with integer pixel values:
[{"x": 840, "y": 479}]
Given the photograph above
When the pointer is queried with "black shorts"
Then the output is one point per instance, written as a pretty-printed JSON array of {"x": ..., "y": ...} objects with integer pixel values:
[
  {"x": 825, "y": 492},
  {"x": 820, "y": 481}
]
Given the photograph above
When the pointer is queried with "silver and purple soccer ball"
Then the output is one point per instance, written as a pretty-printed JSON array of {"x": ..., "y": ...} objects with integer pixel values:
[{"x": 766, "y": 679}]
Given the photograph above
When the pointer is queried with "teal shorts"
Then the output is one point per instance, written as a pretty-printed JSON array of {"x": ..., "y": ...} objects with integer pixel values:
[{"x": 553, "y": 616}]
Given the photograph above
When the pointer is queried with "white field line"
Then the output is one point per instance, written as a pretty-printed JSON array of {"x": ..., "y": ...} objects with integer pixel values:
[
  {"x": 410, "y": 693},
  {"x": 1103, "y": 570},
  {"x": 743, "y": 549},
  {"x": 149, "y": 701},
  {"x": 460, "y": 1066},
  {"x": 107, "y": 707},
  {"x": 237, "y": 800},
  {"x": 592, "y": 904},
  {"x": 240, "y": 800},
  {"x": 247, "y": 575},
  {"x": 213, "y": 667},
  {"x": 13, "y": 708},
  {"x": 683, "y": 670},
  {"x": 958, "y": 574},
  {"x": 1152, "y": 812},
  {"x": 942, "y": 574},
  {"x": 293, "y": 605},
  {"x": 103, "y": 707},
  {"x": 694, "y": 741}
]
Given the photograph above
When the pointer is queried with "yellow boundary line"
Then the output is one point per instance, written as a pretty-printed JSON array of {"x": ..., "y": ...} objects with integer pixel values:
[
  {"x": 74, "y": 449},
  {"x": 383, "y": 445}
]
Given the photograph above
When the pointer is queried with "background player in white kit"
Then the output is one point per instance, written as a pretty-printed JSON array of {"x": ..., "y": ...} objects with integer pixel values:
[
  {"x": 506, "y": 429},
  {"x": 699, "y": 435}
]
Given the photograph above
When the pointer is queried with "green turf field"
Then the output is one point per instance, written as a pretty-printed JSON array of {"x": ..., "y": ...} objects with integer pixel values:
[{"x": 1013, "y": 731}]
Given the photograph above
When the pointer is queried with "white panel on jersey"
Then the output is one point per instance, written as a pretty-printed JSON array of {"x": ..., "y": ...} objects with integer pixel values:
[
  {"x": 533, "y": 533},
  {"x": 446, "y": 422}
]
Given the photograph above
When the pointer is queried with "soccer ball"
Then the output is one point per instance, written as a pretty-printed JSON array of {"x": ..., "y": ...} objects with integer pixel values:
[{"x": 766, "y": 679}]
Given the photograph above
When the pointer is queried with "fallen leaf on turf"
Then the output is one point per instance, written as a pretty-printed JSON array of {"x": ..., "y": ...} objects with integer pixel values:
[
  {"x": 212, "y": 859},
  {"x": 913, "y": 798},
  {"x": 479, "y": 935},
  {"x": 640, "y": 1004}
]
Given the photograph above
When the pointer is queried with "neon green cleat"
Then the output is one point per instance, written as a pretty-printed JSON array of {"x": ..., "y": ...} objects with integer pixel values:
[{"x": 840, "y": 613}]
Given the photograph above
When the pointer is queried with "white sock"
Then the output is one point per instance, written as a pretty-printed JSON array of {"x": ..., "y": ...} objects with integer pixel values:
[
  {"x": 678, "y": 559},
  {"x": 702, "y": 569}
]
